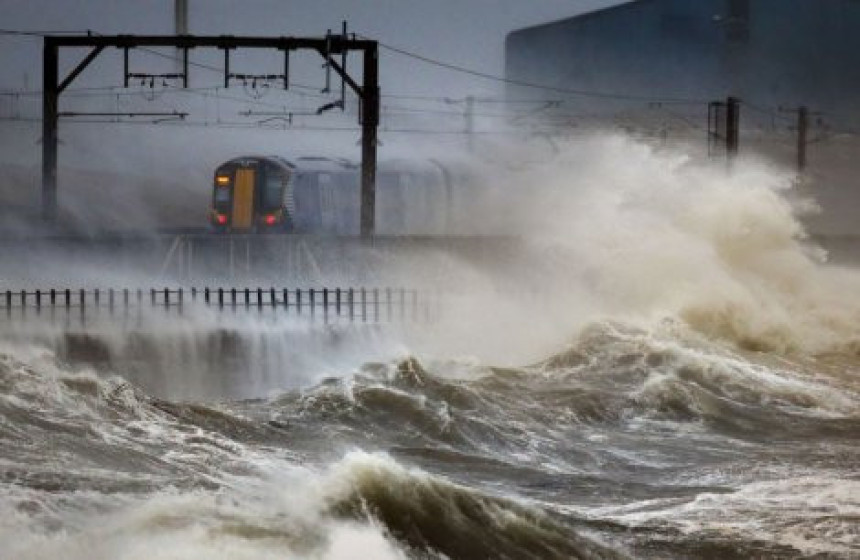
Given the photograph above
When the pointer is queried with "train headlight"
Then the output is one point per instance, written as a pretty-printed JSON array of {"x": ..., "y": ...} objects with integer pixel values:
[
  {"x": 270, "y": 219},
  {"x": 221, "y": 218},
  {"x": 222, "y": 180}
]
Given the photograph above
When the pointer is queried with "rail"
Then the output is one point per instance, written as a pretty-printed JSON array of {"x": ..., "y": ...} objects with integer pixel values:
[{"x": 352, "y": 304}]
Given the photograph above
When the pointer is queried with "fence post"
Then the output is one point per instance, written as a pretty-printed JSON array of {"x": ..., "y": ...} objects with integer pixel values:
[
  {"x": 110, "y": 300},
  {"x": 273, "y": 299},
  {"x": 233, "y": 297},
  {"x": 206, "y": 296},
  {"x": 312, "y": 302},
  {"x": 337, "y": 301},
  {"x": 325, "y": 305},
  {"x": 96, "y": 297},
  {"x": 286, "y": 299},
  {"x": 351, "y": 297},
  {"x": 166, "y": 298},
  {"x": 375, "y": 305},
  {"x": 247, "y": 298},
  {"x": 38, "y": 299},
  {"x": 260, "y": 299},
  {"x": 299, "y": 300},
  {"x": 363, "y": 305},
  {"x": 53, "y": 297},
  {"x": 193, "y": 294}
]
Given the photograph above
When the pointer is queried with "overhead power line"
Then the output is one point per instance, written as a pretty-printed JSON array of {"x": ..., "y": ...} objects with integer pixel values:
[
  {"x": 534, "y": 85},
  {"x": 162, "y": 123},
  {"x": 18, "y": 32},
  {"x": 147, "y": 50},
  {"x": 315, "y": 91},
  {"x": 312, "y": 91}
]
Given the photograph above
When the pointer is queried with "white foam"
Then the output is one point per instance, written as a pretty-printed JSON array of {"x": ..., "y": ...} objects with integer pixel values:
[{"x": 814, "y": 514}]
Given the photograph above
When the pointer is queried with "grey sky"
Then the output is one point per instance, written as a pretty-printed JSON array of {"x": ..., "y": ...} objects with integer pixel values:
[{"x": 470, "y": 33}]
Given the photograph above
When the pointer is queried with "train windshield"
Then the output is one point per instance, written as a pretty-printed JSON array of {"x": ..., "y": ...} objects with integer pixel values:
[{"x": 222, "y": 194}]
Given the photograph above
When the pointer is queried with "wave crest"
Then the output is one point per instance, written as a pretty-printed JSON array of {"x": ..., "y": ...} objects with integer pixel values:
[{"x": 433, "y": 515}]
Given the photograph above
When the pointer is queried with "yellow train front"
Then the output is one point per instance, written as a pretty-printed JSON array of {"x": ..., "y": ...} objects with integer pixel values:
[{"x": 250, "y": 194}]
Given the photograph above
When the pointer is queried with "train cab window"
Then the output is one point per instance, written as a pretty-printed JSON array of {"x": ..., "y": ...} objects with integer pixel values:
[{"x": 222, "y": 194}]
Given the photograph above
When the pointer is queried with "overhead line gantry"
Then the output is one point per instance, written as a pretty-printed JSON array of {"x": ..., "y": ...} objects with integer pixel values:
[{"x": 327, "y": 47}]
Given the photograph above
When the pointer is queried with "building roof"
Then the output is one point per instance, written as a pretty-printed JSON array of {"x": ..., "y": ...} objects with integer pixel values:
[{"x": 602, "y": 12}]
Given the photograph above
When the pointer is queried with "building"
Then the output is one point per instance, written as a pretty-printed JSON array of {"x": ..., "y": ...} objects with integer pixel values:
[{"x": 769, "y": 53}]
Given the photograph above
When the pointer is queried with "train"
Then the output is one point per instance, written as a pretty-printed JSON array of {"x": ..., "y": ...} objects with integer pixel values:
[{"x": 322, "y": 195}]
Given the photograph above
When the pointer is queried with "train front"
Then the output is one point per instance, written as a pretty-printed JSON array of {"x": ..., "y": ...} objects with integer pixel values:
[{"x": 249, "y": 196}]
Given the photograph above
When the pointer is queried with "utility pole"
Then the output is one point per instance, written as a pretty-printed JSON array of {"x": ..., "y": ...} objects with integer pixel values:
[
  {"x": 724, "y": 127},
  {"x": 802, "y": 135},
  {"x": 803, "y": 114},
  {"x": 50, "y": 112},
  {"x": 180, "y": 27},
  {"x": 802, "y": 128},
  {"x": 733, "y": 120},
  {"x": 180, "y": 17},
  {"x": 369, "y": 127}
]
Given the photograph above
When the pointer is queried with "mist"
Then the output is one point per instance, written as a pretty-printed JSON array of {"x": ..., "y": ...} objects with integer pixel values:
[{"x": 727, "y": 256}]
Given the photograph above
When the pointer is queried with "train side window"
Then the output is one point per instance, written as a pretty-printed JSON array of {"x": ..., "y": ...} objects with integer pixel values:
[
  {"x": 272, "y": 188},
  {"x": 306, "y": 199},
  {"x": 348, "y": 203},
  {"x": 328, "y": 211}
]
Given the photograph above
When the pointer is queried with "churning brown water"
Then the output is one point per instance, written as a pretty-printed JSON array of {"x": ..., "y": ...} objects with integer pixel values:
[{"x": 695, "y": 395}]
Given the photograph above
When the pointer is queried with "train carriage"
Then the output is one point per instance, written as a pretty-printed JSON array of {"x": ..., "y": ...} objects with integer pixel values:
[{"x": 323, "y": 196}]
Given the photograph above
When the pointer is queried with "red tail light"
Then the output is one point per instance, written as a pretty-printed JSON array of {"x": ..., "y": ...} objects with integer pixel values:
[
  {"x": 270, "y": 219},
  {"x": 221, "y": 219}
]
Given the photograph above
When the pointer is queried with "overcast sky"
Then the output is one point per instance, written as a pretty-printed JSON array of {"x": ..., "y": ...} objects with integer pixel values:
[{"x": 466, "y": 32}]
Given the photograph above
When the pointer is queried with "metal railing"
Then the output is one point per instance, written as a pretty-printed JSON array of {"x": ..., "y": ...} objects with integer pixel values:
[{"x": 352, "y": 304}]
